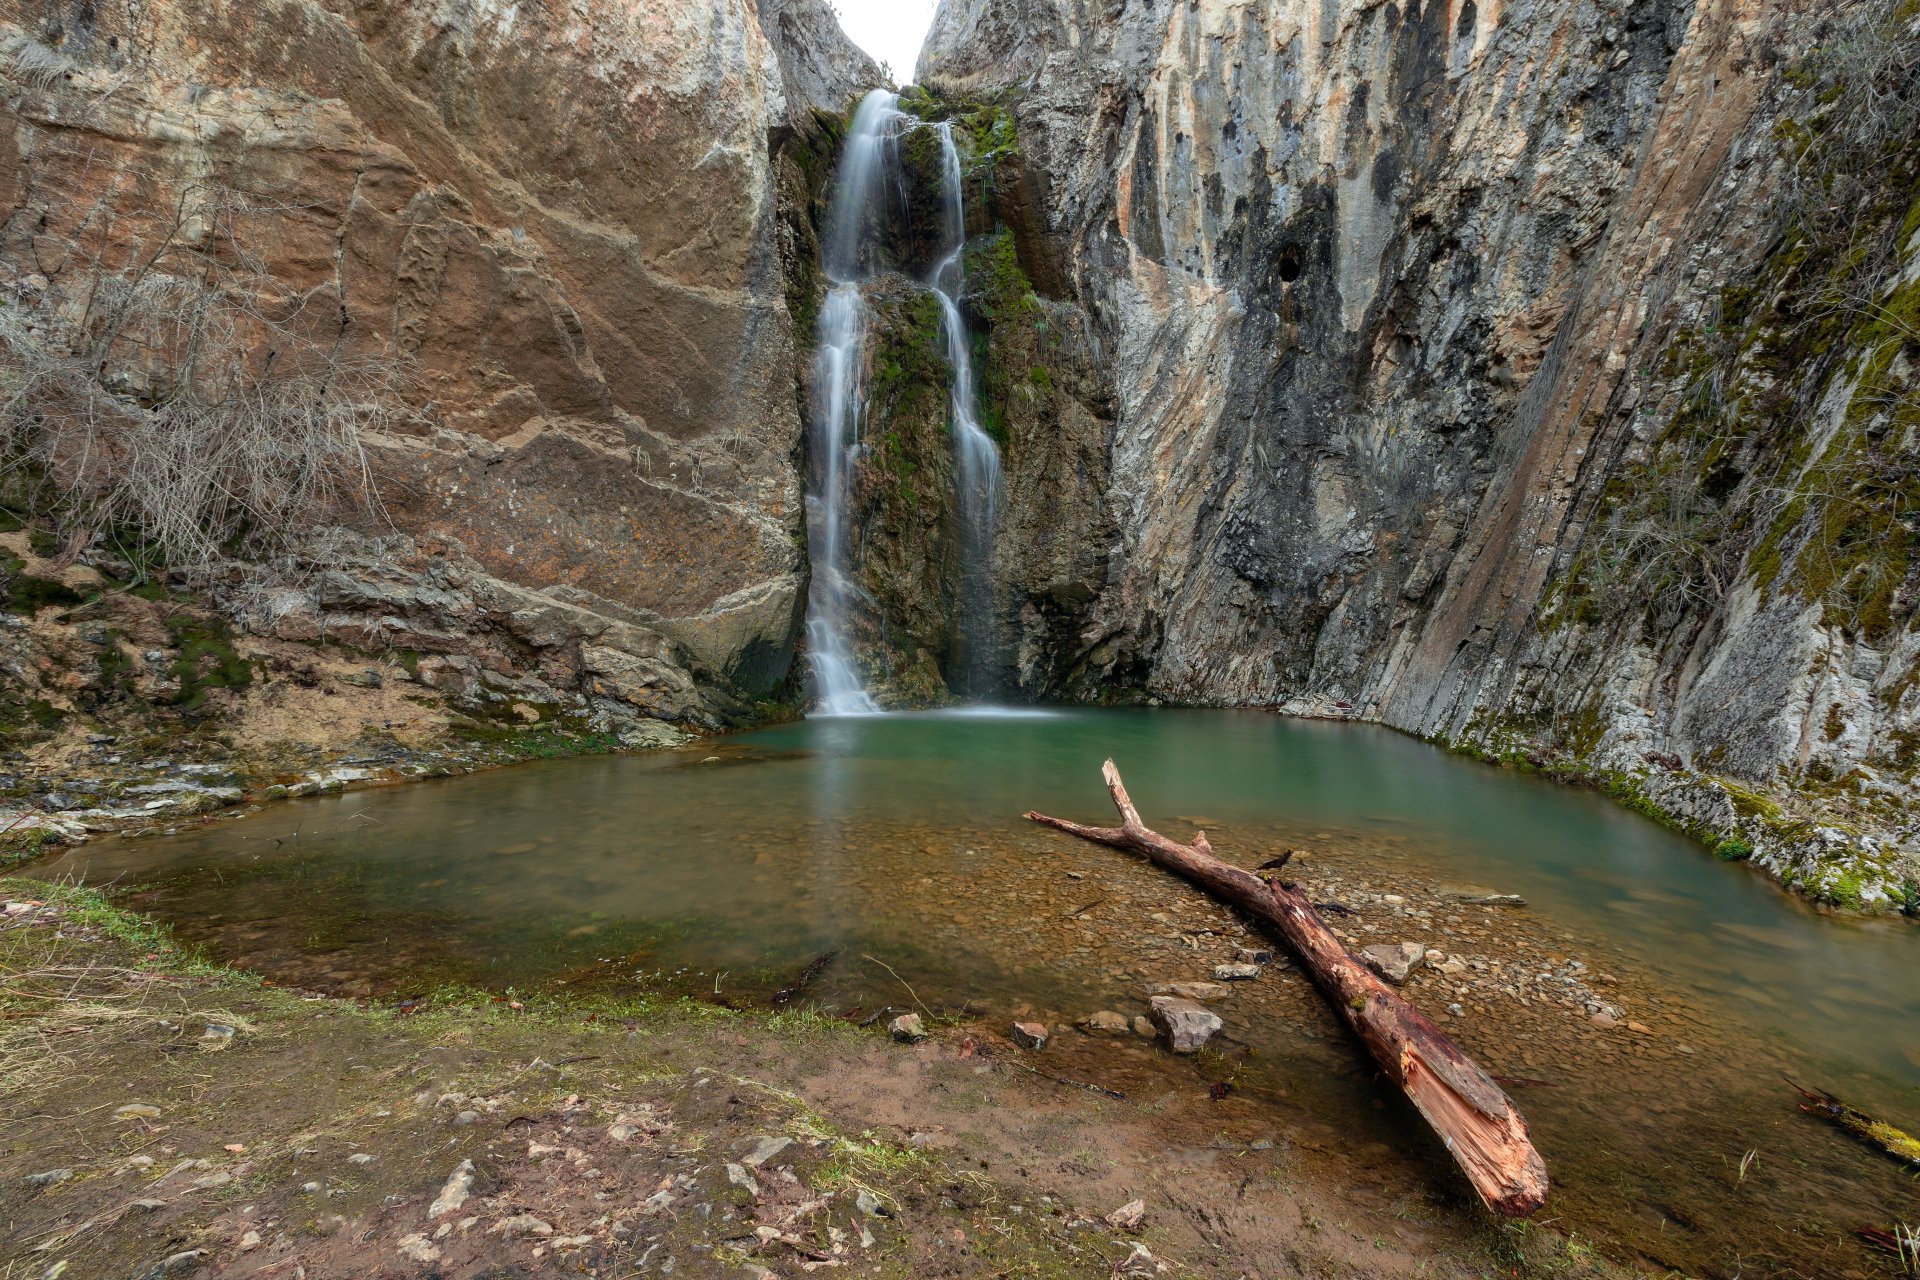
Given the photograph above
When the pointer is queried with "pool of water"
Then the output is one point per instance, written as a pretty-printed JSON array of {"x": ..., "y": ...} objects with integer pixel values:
[{"x": 897, "y": 842}]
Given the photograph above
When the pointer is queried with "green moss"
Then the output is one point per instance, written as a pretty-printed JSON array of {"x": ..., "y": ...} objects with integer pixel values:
[
  {"x": 206, "y": 660},
  {"x": 28, "y": 594}
]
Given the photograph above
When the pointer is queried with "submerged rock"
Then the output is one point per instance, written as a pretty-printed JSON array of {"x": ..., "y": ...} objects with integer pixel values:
[
  {"x": 1105, "y": 1023},
  {"x": 1394, "y": 961},
  {"x": 1188, "y": 1024}
]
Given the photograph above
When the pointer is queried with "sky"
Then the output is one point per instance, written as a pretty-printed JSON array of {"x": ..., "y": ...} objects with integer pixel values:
[{"x": 890, "y": 30}]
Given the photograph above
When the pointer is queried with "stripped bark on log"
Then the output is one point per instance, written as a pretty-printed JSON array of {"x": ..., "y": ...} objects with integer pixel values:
[{"x": 1482, "y": 1129}]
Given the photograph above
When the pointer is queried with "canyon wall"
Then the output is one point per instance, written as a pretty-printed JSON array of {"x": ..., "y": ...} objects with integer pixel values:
[
  {"x": 1502, "y": 372},
  {"x": 564, "y": 231}
]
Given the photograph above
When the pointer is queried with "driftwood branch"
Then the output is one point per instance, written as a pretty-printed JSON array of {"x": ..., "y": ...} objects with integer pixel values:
[{"x": 1481, "y": 1128}]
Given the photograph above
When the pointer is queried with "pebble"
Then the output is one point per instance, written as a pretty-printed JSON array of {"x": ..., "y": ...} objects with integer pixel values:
[
  {"x": 907, "y": 1028},
  {"x": 467, "y": 1117}
]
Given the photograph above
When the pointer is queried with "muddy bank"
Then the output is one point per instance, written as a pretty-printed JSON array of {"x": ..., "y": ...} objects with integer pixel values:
[{"x": 177, "y": 1118}]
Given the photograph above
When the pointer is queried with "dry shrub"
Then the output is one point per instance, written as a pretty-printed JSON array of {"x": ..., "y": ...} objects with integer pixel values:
[{"x": 186, "y": 395}]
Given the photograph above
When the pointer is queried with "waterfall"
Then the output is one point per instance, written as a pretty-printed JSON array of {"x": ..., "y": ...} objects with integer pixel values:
[
  {"x": 839, "y": 397},
  {"x": 869, "y": 174},
  {"x": 977, "y": 460}
]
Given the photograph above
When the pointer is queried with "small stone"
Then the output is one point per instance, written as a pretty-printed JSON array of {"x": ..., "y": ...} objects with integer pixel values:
[
  {"x": 1030, "y": 1035},
  {"x": 520, "y": 1224},
  {"x": 1604, "y": 1020},
  {"x": 1189, "y": 990},
  {"x": 249, "y": 1242},
  {"x": 907, "y": 1028},
  {"x": 1189, "y": 1024},
  {"x": 137, "y": 1111},
  {"x": 1128, "y": 1216},
  {"x": 764, "y": 1150},
  {"x": 212, "y": 1180},
  {"x": 870, "y": 1204},
  {"x": 624, "y": 1132},
  {"x": 1235, "y": 972},
  {"x": 1639, "y": 1028},
  {"x": 1143, "y": 1027},
  {"x": 417, "y": 1248},
  {"x": 459, "y": 1186},
  {"x": 310, "y": 1188},
  {"x": 1394, "y": 961},
  {"x": 181, "y": 1261},
  {"x": 1105, "y": 1023},
  {"x": 49, "y": 1178},
  {"x": 217, "y": 1033},
  {"x": 1253, "y": 955},
  {"x": 359, "y": 1157},
  {"x": 737, "y": 1174},
  {"x": 467, "y": 1117}
]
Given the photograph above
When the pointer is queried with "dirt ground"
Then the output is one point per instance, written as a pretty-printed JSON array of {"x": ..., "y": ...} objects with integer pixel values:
[{"x": 167, "y": 1117}]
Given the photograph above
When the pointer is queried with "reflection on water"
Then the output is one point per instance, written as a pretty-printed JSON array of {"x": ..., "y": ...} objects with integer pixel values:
[{"x": 900, "y": 837}]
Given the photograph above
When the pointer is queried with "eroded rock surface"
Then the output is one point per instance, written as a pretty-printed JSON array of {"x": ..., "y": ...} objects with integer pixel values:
[
  {"x": 560, "y": 227},
  {"x": 1404, "y": 315}
]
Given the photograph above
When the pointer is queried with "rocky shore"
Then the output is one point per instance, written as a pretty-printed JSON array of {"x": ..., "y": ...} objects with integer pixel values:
[{"x": 193, "y": 1121}]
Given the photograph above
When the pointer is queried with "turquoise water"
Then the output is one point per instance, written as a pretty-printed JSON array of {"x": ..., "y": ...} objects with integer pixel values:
[{"x": 730, "y": 865}]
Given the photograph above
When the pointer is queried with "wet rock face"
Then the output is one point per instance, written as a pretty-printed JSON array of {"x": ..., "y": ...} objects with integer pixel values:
[
  {"x": 558, "y": 225},
  {"x": 1301, "y": 240},
  {"x": 1385, "y": 298}
]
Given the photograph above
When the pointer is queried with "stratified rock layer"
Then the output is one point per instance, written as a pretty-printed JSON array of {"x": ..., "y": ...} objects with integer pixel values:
[{"x": 560, "y": 224}]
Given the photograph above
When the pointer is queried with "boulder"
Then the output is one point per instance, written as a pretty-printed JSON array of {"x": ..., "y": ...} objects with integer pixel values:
[{"x": 1188, "y": 1023}]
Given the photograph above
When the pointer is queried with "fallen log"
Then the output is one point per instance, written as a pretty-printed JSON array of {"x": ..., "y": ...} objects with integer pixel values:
[
  {"x": 1896, "y": 1143},
  {"x": 1482, "y": 1129}
]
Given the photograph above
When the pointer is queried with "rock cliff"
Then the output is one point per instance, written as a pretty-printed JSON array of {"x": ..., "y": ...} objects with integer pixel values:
[
  {"x": 563, "y": 232},
  {"x": 1504, "y": 372}
]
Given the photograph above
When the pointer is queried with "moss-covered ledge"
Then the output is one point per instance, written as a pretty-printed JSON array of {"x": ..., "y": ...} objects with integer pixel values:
[{"x": 1833, "y": 863}]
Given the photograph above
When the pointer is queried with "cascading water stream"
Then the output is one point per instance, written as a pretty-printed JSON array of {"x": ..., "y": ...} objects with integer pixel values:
[
  {"x": 839, "y": 400},
  {"x": 849, "y": 257},
  {"x": 976, "y": 458}
]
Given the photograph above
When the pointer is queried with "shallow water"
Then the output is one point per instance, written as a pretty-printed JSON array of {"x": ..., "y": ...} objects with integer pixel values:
[{"x": 899, "y": 838}]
